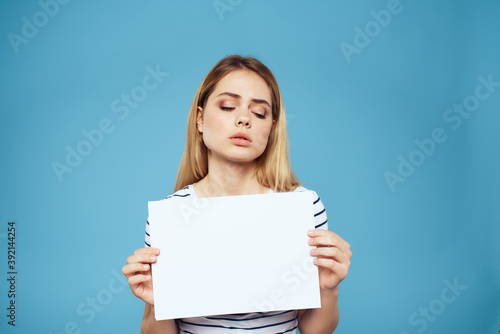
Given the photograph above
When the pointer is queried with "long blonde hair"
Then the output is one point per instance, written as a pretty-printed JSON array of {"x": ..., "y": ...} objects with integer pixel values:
[{"x": 273, "y": 166}]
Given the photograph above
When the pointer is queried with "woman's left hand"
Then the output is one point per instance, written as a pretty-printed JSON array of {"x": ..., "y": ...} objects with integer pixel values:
[{"x": 332, "y": 256}]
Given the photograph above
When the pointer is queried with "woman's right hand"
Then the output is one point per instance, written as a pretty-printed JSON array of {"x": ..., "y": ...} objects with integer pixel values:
[{"x": 138, "y": 273}]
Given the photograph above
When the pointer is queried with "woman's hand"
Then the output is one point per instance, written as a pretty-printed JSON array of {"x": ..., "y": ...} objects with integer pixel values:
[
  {"x": 332, "y": 256},
  {"x": 138, "y": 272}
]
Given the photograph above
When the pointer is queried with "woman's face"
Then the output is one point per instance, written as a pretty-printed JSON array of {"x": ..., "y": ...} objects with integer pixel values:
[{"x": 237, "y": 118}]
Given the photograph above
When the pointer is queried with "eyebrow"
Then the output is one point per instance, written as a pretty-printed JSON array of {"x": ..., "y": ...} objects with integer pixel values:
[{"x": 236, "y": 96}]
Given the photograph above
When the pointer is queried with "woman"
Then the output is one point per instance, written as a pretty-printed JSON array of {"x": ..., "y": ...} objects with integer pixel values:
[{"x": 237, "y": 145}]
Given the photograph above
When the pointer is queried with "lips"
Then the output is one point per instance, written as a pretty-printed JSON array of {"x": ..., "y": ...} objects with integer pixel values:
[
  {"x": 241, "y": 139},
  {"x": 241, "y": 136}
]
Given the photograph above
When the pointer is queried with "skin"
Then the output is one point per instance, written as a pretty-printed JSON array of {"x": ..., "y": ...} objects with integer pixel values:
[
  {"x": 241, "y": 102},
  {"x": 231, "y": 167}
]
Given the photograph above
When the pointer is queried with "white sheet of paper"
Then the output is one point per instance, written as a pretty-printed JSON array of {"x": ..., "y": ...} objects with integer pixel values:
[{"x": 233, "y": 254}]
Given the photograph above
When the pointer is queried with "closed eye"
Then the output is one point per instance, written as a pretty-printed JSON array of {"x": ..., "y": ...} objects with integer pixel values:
[{"x": 260, "y": 116}]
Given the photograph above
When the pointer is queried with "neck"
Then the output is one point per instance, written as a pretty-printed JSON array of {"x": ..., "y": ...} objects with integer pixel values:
[{"x": 230, "y": 179}]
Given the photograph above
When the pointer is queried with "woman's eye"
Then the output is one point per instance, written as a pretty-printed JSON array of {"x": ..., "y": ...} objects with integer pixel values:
[
  {"x": 227, "y": 108},
  {"x": 261, "y": 116}
]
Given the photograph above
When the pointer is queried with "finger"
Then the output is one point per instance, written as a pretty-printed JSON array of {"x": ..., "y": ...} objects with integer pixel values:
[
  {"x": 340, "y": 270},
  {"x": 141, "y": 258},
  {"x": 153, "y": 250},
  {"x": 138, "y": 279},
  {"x": 331, "y": 253},
  {"x": 320, "y": 232},
  {"x": 133, "y": 268},
  {"x": 329, "y": 240}
]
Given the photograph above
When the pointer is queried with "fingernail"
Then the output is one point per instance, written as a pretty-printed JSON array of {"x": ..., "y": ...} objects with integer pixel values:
[
  {"x": 310, "y": 232},
  {"x": 153, "y": 257},
  {"x": 145, "y": 266}
]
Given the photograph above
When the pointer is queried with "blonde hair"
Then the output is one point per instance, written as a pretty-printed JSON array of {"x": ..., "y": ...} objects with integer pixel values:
[{"x": 273, "y": 166}]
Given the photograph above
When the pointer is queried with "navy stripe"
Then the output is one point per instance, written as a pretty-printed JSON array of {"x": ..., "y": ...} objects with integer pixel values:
[
  {"x": 281, "y": 323},
  {"x": 147, "y": 233},
  {"x": 288, "y": 330},
  {"x": 323, "y": 223},
  {"x": 244, "y": 319},
  {"x": 317, "y": 214},
  {"x": 147, "y": 222},
  {"x": 176, "y": 195},
  {"x": 147, "y": 244},
  {"x": 186, "y": 331},
  {"x": 316, "y": 201},
  {"x": 181, "y": 195}
]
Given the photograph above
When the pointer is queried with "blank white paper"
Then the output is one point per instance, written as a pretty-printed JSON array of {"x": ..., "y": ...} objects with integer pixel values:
[{"x": 233, "y": 254}]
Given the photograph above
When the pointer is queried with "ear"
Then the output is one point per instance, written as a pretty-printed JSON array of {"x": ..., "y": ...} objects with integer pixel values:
[
  {"x": 199, "y": 119},
  {"x": 274, "y": 125}
]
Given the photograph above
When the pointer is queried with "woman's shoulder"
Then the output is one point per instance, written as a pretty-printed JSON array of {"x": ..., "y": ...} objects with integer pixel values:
[
  {"x": 187, "y": 191},
  {"x": 320, "y": 217},
  {"x": 302, "y": 189},
  {"x": 316, "y": 199}
]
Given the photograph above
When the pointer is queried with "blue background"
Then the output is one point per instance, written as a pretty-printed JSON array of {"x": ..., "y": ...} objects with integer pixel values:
[{"x": 349, "y": 119}]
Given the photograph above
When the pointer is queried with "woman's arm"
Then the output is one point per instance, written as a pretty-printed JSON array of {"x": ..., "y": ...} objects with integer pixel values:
[
  {"x": 139, "y": 276},
  {"x": 321, "y": 320},
  {"x": 333, "y": 257},
  {"x": 151, "y": 326}
]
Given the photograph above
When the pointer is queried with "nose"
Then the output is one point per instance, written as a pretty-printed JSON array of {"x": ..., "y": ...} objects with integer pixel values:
[{"x": 243, "y": 120}]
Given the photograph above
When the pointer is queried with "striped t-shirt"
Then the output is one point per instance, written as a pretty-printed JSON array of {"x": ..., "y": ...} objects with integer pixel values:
[{"x": 277, "y": 322}]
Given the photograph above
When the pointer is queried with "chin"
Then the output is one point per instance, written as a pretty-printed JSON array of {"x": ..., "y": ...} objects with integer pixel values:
[
  {"x": 242, "y": 159},
  {"x": 238, "y": 157}
]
